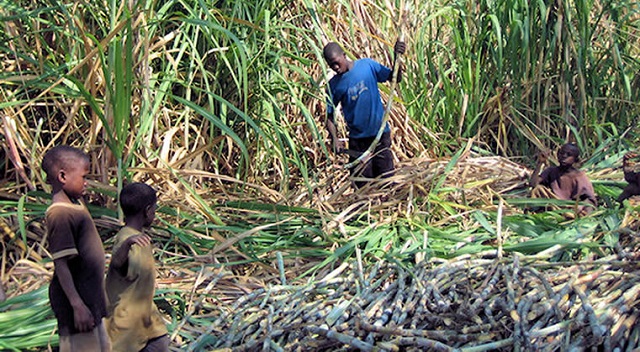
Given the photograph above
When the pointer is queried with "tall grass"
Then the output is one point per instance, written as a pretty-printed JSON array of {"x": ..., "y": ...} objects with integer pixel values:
[
  {"x": 523, "y": 75},
  {"x": 225, "y": 100},
  {"x": 217, "y": 102},
  {"x": 221, "y": 87},
  {"x": 26, "y": 322},
  {"x": 186, "y": 93},
  {"x": 220, "y": 105}
]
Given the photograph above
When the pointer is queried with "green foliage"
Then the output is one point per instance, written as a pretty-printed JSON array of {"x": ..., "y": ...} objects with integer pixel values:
[
  {"x": 220, "y": 104},
  {"x": 26, "y": 322},
  {"x": 521, "y": 74}
]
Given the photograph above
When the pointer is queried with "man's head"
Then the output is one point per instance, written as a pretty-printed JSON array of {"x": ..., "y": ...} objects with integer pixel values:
[
  {"x": 66, "y": 168},
  {"x": 336, "y": 58},
  {"x": 139, "y": 199},
  {"x": 568, "y": 154}
]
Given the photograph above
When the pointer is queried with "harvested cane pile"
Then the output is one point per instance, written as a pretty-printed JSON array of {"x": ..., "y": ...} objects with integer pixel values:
[
  {"x": 465, "y": 304},
  {"x": 470, "y": 181}
]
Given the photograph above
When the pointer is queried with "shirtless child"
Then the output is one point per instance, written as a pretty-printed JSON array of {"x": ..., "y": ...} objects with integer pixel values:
[{"x": 564, "y": 181}]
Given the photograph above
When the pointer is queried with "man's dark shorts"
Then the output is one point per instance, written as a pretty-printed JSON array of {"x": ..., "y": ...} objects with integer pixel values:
[{"x": 381, "y": 164}]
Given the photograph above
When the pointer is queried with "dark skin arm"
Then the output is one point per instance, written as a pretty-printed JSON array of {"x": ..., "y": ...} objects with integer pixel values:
[
  {"x": 82, "y": 317},
  {"x": 120, "y": 259},
  {"x": 399, "y": 48},
  {"x": 333, "y": 132},
  {"x": 632, "y": 189},
  {"x": 628, "y": 192},
  {"x": 535, "y": 175},
  {"x": 589, "y": 197}
]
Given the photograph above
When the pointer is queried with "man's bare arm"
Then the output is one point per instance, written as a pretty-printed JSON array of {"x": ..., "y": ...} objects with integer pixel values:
[{"x": 333, "y": 132}]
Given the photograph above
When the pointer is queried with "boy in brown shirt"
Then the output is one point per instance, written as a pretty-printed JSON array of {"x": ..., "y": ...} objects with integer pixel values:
[
  {"x": 564, "y": 181},
  {"x": 134, "y": 322},
  {"x": 76, "y": 291}
]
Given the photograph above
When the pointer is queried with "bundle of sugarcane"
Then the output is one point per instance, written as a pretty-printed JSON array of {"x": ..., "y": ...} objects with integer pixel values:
[
  {"x": 27, "y": 322},
  {"x": 464, "y": 180},
  {"x": 519, "y": 303}
]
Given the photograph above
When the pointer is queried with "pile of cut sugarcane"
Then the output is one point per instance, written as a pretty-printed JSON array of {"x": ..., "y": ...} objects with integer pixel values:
[{"x": 514, "y": 303}]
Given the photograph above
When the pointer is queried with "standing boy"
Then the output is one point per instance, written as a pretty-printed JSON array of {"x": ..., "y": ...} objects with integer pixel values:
[
  {"x": 76, "y": 291},
  {"x": 355, "y": 88},
  {"x": 134, "y": 322},
  {"x": 565, "y": 181}
]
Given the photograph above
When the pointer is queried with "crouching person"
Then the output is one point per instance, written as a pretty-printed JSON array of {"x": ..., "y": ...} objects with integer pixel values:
[{"x": 564, "y": 181}]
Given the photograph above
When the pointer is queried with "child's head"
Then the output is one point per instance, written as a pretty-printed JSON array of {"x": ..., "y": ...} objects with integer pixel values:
[
  {"x": 139, "y": 199},
  {"x": 336, "y": 58},
  {"x": 568, "y": 154},
  {"x": 66, "y": 168}
]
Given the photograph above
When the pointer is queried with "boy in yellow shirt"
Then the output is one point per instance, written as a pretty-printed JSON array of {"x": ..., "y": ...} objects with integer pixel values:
[{"x": 134, "y": 323}]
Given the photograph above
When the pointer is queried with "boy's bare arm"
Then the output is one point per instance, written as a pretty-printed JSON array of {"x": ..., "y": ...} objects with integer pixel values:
[
  {"x": 82, "y": 317},
  {"x": 587, "y": 193},
  {"x": 121, "y": 256},
  {"x": 628, "y": 192},
  {"x": 535, "y": 175}
]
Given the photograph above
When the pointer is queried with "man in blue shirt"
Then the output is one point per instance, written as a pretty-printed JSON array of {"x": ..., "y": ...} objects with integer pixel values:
[{"x": 355, "y": 88}]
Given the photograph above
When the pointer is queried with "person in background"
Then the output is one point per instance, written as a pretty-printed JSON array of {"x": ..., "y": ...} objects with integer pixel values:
[
  {"x": 564, "y": 181},
  {"x": 134, "y": 322},
  {"x": 76, "y": 291}
]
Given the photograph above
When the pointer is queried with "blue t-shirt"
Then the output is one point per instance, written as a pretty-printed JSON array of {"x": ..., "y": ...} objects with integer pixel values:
[{"x": 357, "y": 91}]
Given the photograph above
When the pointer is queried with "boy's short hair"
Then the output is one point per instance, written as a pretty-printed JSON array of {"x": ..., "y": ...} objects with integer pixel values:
[
  {"x": 136, "y": 197},
  {"x": 573, "y": 149},
  {"x": 60, "y": 157},
  {"x": 331, "y": 49}
]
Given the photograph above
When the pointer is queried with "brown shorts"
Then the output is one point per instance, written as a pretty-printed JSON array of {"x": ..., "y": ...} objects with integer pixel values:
[{"x": 94, "y": 340}]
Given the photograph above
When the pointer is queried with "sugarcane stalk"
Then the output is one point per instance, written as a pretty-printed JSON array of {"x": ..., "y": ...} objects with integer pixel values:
[
  {"x": 423, "y": 343},
  {"x": 488, "y": 346},
  {"x": 398, "y": 308},
  {"x": 343, "y": 338}
]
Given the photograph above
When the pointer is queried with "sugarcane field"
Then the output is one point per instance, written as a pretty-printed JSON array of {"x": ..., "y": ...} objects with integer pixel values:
[{"x": 394, "y": 175}]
